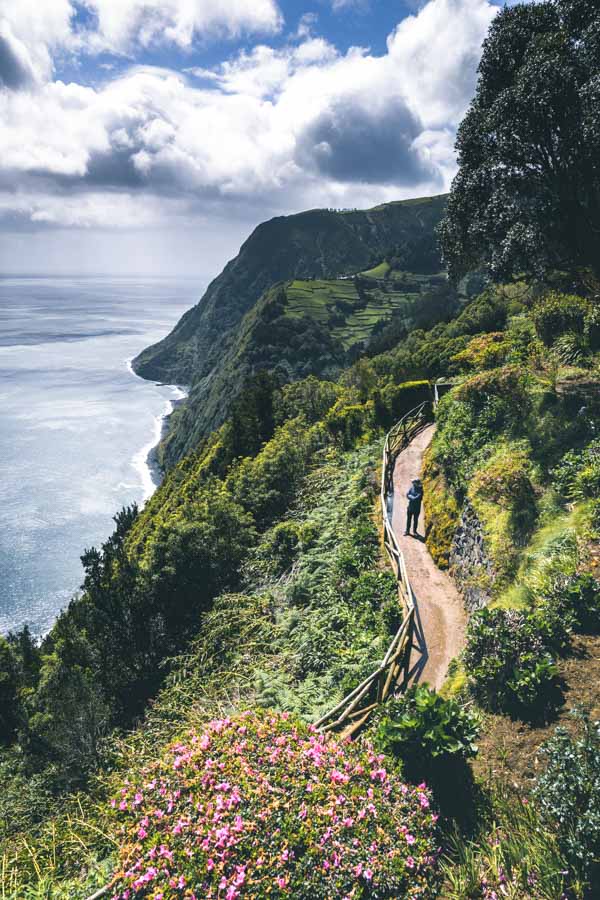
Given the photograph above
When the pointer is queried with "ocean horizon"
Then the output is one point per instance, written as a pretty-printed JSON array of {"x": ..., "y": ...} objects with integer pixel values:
[{"x": 78, "y": 426}]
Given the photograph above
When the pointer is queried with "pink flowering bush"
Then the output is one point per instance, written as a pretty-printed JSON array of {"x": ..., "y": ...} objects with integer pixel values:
[{"x": 261, "y": 805}]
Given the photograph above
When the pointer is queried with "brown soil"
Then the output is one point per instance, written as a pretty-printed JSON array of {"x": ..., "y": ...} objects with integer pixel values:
[
  {"x": 440, "y": 616},
  {"x": 508, "y": 748}
]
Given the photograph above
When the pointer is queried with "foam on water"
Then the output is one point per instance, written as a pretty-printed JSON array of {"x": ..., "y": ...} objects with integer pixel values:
[{"x": 142, "y": 460}]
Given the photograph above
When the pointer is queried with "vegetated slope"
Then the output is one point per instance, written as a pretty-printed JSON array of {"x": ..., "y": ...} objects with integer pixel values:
[
  {"x": 305, "y": 327},
  {"x": 256, "y": 563},
  {"x": 315, "y": 244},
  {"x": 238, "y": 327}
]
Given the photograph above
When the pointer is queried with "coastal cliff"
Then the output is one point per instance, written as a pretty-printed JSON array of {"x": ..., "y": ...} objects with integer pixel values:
[{"x": 307, "y": 294}]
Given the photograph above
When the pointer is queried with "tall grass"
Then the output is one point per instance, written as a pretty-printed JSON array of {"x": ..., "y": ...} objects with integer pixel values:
[
  {"x": 69, "y": 856},
  {"x": 512, "y": 856}
]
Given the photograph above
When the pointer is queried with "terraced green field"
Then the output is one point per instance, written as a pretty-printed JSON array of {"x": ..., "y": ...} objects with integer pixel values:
[{"x": 352, "y": 312}]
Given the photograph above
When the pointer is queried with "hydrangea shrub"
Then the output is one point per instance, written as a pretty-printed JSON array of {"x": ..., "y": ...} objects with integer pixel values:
[{"x": 261, "y": 805}]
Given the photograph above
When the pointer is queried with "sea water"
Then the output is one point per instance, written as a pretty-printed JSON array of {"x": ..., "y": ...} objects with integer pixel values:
[{"x": 76, "y": 425}]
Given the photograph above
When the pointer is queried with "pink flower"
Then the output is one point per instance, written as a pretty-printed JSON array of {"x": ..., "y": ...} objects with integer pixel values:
[
  {"x": 210, "y": 864},
  {"x": 410, "y": 862},
  {"x": 368, "y": 874},
  {"x": 410, "y": 839},
  {"x": 142, "y": 833},
  {"x": 339, "y": 777}
]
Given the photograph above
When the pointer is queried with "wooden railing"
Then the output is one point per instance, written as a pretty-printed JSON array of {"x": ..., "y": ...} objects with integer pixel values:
[{"x": 353, "y": 711}]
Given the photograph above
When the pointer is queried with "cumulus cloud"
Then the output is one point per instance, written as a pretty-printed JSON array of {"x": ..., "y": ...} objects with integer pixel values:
[
  {"x": 39, "y": 28},
  {"x": 16, "y": 70},
  {"x": 123, "y": 22},
  {"x": 270, "y": 130},
  {"x": 434, "y": 56},
  {"x": 349, "y": 141},
  {"x": 45, "y": 26}
]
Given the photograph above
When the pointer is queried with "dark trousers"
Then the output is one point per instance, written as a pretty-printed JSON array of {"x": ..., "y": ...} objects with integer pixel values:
[{"x": 412, "y": 515}]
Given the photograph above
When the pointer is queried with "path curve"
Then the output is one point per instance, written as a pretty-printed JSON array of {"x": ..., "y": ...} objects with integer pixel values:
[{"x": 440, "y": 618}]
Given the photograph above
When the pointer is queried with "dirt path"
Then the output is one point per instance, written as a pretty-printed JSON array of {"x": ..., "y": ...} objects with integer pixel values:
[{"x": 440, "y": 616}]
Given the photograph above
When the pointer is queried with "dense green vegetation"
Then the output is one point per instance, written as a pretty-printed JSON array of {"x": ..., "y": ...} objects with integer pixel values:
[
  {"x": 318, "y": 327},
  {"x": 294, "y": 301},
  {"x": 165, "y": 718},
  {"x": 253, "y": 579}
]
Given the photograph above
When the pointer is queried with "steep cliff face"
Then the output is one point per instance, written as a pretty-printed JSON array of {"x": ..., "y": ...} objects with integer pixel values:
[
  {"x": 315, "y": 244},
  {"x": 308, "y": 327}
]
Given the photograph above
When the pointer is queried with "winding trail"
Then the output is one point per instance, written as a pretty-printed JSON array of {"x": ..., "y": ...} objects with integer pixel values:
[{"x": 440, "y": 618}]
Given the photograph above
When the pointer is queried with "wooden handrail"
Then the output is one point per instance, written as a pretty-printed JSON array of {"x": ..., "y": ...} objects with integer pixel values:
[{"x": 396, "y": 661}]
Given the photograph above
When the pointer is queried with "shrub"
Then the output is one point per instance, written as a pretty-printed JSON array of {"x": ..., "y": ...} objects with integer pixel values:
[
  {"x": 280, "y": 545},
  {"x": 443, "y": 514},
  {"x": 577, "y": 476},
  {"x": 263, "y": 806},
  {"x": 421, "y": 726},
  {"x": 348, "y": 422},
  {"x": 568, "y": 791},
  {"x": 507, "y": 661},
  {"x": 399, "y": 399},
  {"x": 505, "y": 478},
  {"x": 558, "y": 313},
  {"x": 578, "y": 596},
  {"x": 554, "y": 619},
  {"x": 484, "y": 351},
  {"x": 473, "y": 415}
]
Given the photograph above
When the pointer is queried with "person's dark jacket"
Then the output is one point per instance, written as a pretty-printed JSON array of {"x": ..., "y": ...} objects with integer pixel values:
[{"x": 415, "y": 496}]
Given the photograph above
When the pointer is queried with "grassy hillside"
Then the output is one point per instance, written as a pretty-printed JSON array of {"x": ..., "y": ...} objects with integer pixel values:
[
  {"x": 304, "y": 327},
  {"x": 317, "y": 245},
  {"x": 253, "y": 579},
  {"x": 314, "y": 244}
]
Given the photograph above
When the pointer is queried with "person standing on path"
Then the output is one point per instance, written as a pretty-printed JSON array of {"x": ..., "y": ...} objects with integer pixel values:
[{"x": 415, "y": 498}]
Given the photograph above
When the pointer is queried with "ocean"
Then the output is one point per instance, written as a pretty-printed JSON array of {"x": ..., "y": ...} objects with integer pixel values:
[{"x": 76, "y": 425}]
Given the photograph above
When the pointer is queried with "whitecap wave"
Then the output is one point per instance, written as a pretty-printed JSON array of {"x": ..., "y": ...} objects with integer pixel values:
[{"x": 142, "y": 460}]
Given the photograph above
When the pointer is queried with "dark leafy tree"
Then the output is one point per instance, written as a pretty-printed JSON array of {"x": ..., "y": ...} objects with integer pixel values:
[
  {"x": 527, "y": 195},
  {"x": 9, "y": 685},
  {"x": 68, "y": 713},
  {"x": 252, "y": 422}
]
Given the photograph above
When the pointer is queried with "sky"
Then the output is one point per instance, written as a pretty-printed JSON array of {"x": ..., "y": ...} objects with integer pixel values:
[{"x": 151, "y": 136}]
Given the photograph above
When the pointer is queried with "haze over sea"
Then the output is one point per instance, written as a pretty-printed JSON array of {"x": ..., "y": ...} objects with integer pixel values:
[{"x": 76, "y": 425}]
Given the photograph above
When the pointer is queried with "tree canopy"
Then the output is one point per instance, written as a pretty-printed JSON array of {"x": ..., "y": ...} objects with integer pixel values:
[{"x": 526, "y": 198}]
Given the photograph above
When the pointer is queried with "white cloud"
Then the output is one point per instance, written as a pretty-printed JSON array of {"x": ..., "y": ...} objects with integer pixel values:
[
  {"x": 46, "y": 26},
  {"x": 40, "y": 27},
  {"x": 434, "y": 55},
  {"x": 350, "y": 4},
  {"x": 306, "y": 25},
  {"x": 122, "y": 22},
  {"x": 268, "y": 131}
]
